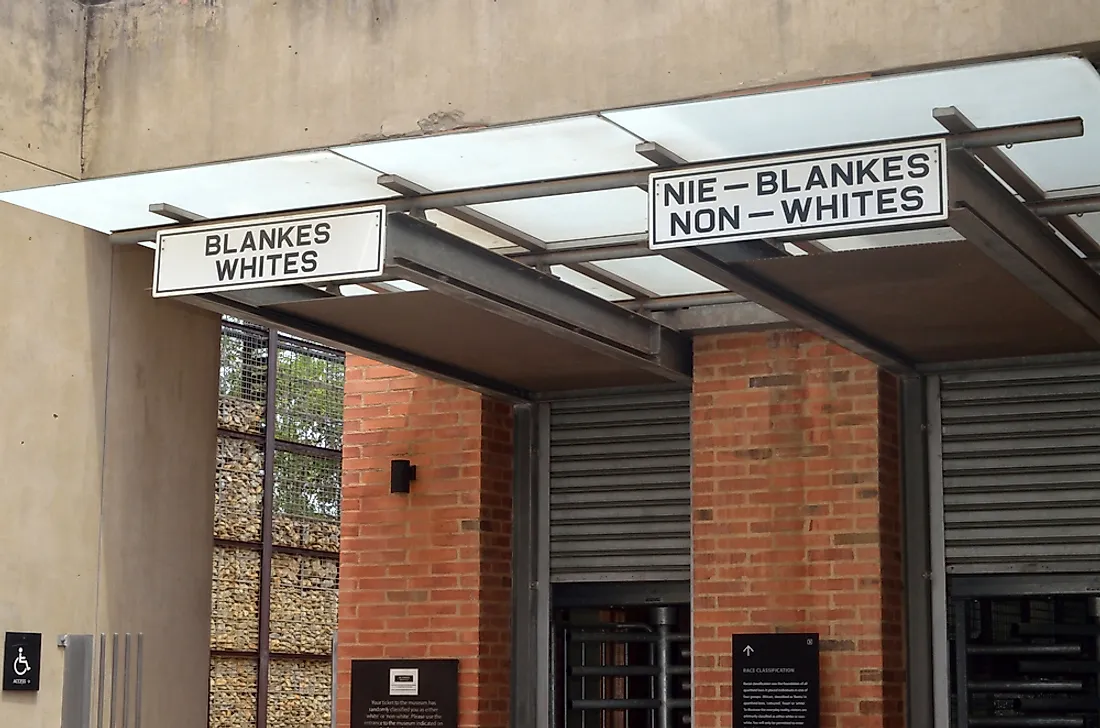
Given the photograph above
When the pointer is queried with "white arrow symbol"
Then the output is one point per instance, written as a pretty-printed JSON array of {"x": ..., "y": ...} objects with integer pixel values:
[{"x": 748, "y": 650}]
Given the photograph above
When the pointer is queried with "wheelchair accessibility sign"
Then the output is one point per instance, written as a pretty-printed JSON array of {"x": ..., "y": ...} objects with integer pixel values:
[{"x": 22, "y": 660}]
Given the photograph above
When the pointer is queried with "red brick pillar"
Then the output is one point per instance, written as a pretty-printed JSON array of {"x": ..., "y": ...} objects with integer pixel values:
[
  {"x": 796, "y": 518},
  {"x": 427, "y": 574}
]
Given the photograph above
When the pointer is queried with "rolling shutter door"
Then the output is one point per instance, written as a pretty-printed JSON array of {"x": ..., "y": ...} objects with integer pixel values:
[
  {"x": 620, "y": 488},
  {"x": 1021, "y": 470}
]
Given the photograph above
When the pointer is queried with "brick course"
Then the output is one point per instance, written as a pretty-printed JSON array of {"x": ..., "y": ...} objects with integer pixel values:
[
  {"x": 427, "y": 574},
  {"x": 796, "y": 518}
]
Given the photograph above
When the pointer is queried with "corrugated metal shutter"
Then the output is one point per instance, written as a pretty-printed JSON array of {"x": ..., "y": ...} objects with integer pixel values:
[
  {"x": 620, "y": 488},
  {"x": 1021, "y": 470}
]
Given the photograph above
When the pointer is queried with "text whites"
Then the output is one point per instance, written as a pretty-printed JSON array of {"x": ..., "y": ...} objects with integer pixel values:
[{"x": 293, "y": 249}]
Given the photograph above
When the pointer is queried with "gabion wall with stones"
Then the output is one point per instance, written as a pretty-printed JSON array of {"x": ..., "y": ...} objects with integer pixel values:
[{"x": 305, "y": 533}]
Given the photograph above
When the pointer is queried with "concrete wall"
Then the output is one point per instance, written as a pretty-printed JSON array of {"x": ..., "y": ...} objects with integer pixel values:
[
  {"x": 158, "y": 495},
  {"x": 107, "y": 409},
  {"x": 176, "y": 83}
]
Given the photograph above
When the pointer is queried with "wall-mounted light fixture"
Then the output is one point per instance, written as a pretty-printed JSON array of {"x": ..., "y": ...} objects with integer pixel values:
[{"x": 402, "y": 474}]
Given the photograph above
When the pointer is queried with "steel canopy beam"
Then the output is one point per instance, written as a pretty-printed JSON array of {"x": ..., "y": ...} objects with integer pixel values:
[
  {"x": 1002, "y": 227},
  {"x": 799, "y": 312},
  {"x": 721, "y": 317},
  {"x": 379, "y": 351},
  {"x": 448, "y": 264},
  {"x": 513, "y": 235},
  {"x": 955, "y": 122}
]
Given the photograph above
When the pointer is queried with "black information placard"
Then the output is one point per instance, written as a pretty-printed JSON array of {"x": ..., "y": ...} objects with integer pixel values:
[
  {"x": 22, "y": 660},
  {"x": 776, "y": 681},
  {"x": 404, "y": 694}
]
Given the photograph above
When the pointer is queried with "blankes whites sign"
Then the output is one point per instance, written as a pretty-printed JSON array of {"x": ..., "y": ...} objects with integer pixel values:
[
  {"x": 822, "y": 194},
  {"x": 279, "y": 250}
]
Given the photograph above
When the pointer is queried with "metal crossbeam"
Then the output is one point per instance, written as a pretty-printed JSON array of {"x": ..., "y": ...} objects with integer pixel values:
[
  {"x": 448, "y": 264},
  {"x": 513, "y": 235},
  {"x": 721, "y": 317},
  {"x": 955, "y": 122},
  {"x": 1002, "y": 227}
]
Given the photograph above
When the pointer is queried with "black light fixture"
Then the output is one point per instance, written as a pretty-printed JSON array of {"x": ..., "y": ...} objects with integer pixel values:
[{"x": 402, "y": 474}]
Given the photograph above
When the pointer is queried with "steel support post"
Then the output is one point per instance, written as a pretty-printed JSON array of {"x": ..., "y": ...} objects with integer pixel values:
[
  {"x": 915, "y": 549},
  {"x": 937, "y": 575},
  {"x": 453, "y": 266},
  {"x": 530, "y": 642},
  {"x": 266, "y": 536},
  {"x": 991, "y": 218}
]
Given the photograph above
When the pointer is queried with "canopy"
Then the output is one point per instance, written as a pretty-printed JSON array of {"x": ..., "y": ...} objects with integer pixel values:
[{"x": 565, "y": 199}]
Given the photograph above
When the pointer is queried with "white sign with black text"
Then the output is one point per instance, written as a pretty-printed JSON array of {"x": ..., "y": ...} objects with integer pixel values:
[
  {"x": 824, "y": 193},
  {"x": 279, "y": 250},
  {"x": 404, "y": 681}
]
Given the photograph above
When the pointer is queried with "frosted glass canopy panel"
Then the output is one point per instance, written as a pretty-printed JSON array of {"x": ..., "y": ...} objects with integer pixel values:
[
  {"x": 572, "y": 217},
  {"x": 504, "y": 155},
  {"x": 890, "y": 107},
  {"x": 889, "y": 240},
  {"x": 254, "y": 186},
  {"x": 1090, "y": 223},
  {"x": 660, "y": 275},
  {"x": 589, "y": 285},
  {"x": 466, "y": 231}
]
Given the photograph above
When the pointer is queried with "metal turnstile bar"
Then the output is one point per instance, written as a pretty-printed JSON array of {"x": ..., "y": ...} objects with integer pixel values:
[
  {"x": 1026, "y": 686},
  {"x": 1023, "y": 649}
]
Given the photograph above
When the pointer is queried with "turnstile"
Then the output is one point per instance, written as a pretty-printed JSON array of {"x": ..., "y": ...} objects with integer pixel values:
[{"x": 623, "y": 667}]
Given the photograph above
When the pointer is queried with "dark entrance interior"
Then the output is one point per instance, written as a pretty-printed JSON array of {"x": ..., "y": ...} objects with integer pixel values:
[
  {"x": 621, "y": 662},
  {"x": 1024, "y": 659}
]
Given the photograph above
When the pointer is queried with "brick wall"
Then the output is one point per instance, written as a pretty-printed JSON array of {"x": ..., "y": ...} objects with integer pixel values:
[
  {"x": 427, "y": 574},
  {"x": 796, "y": 518}
]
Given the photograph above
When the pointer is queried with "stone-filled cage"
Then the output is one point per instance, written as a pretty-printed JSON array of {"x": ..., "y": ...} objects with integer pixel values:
[{"x": 276, "y": 530}]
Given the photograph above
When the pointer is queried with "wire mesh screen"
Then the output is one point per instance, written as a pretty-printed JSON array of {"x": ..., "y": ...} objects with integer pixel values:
[
  {"x": 233, "y": 692},
  {"x": 309, "y": 394},
  {"x": 243, "y": 380},
  {"x": 238, "y": 490},
  {"x": 307, "y": 501},
  {"x": 235, "y": 616},
  {"x": 303, "y": 604},
  {"x": 299, "y": 693}
]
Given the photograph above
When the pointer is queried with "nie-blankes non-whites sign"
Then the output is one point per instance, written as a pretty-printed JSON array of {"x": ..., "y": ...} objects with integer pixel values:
[
  {"x": 826, "y": 194},
  {"x": 304, "y": 248}
]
